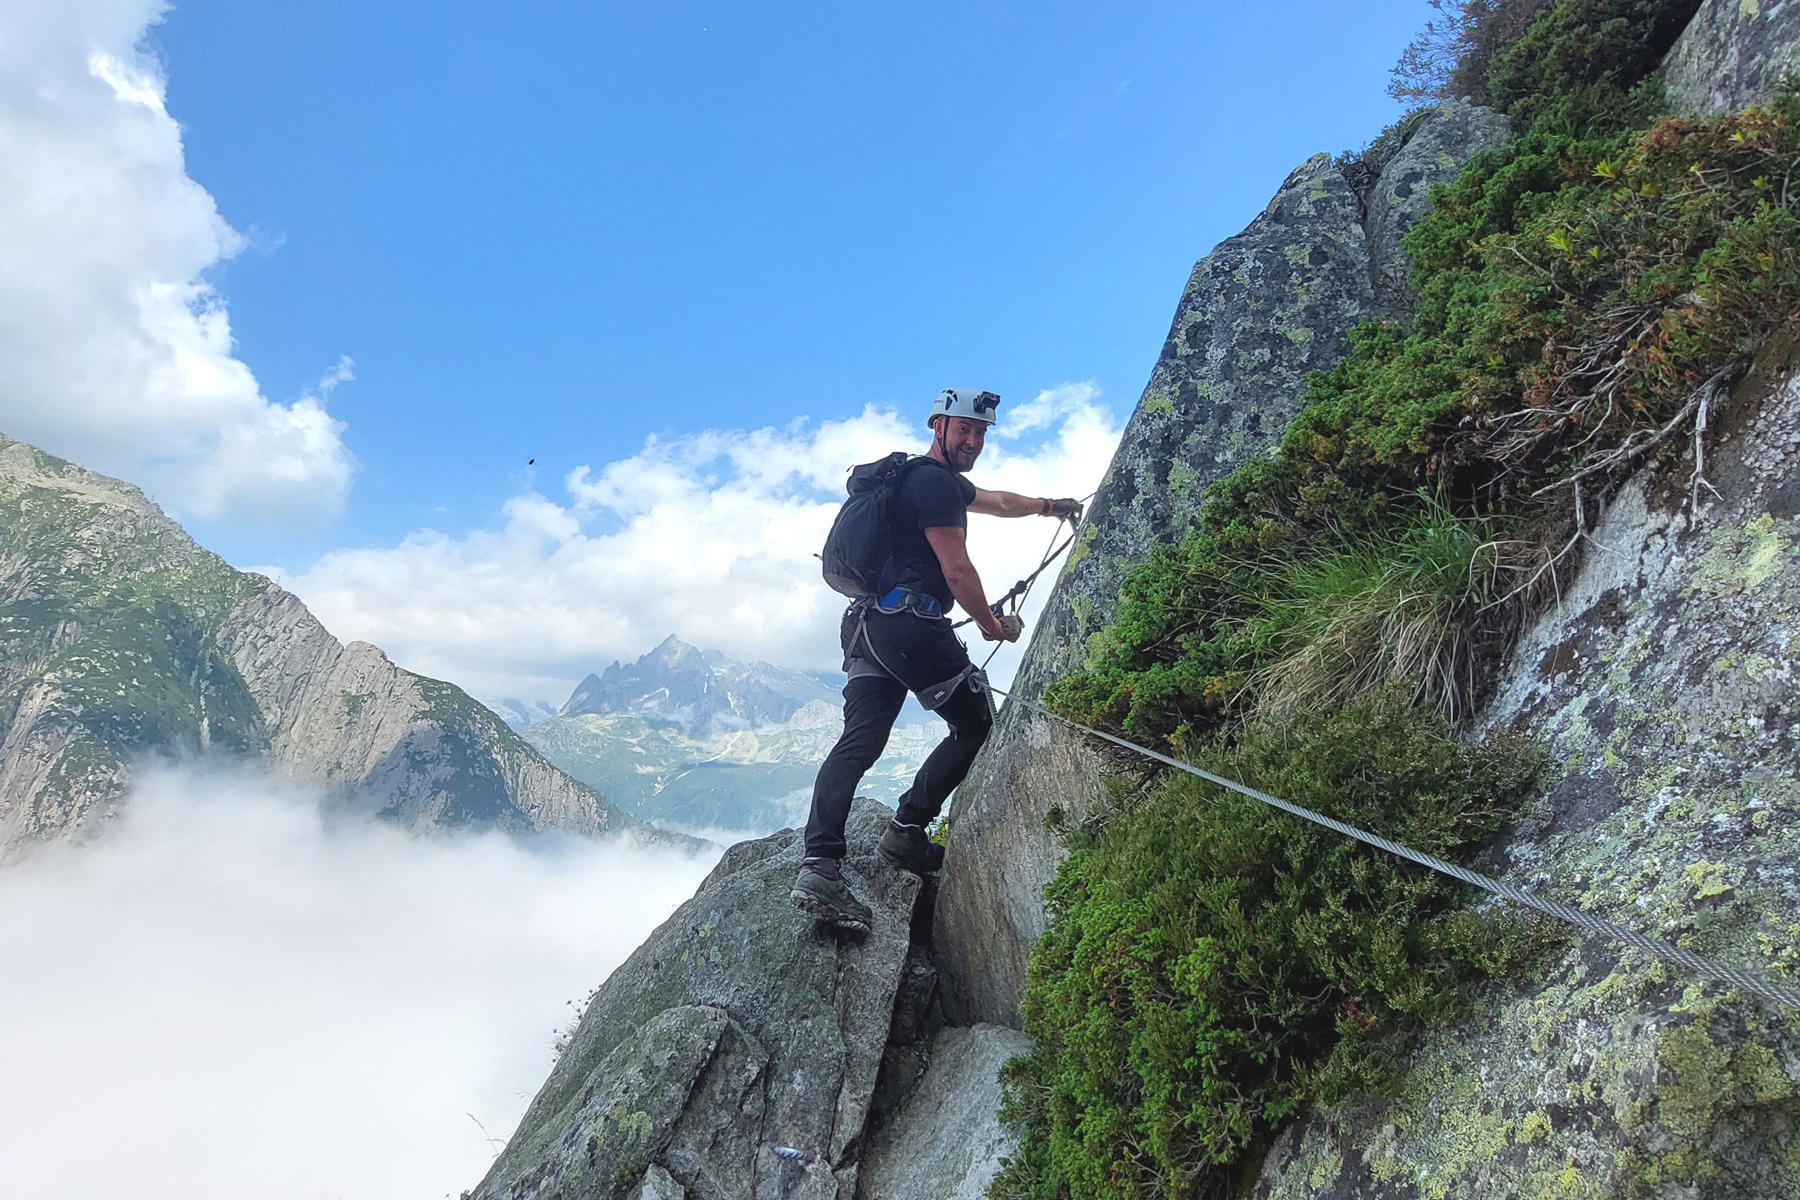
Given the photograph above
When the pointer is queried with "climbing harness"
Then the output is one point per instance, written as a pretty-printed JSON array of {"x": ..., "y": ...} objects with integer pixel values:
[
  {"x": 1747, "y": 980},
  {"x": 902, "y": 600},
  {"x": 907, "y": 600}
]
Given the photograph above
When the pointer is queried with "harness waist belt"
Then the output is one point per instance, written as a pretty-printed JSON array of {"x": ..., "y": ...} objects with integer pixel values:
[{"x": 902, "y": 599}]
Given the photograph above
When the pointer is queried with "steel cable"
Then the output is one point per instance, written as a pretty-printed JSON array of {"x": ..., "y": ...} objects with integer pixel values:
[{"x": 1747, "y": 980}]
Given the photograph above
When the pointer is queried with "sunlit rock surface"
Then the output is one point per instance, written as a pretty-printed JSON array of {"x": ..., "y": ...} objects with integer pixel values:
[
  {"x": 1665, "y": 687},
  {"x": 1261, "y": 311},
  {"x": 1733, "y": 53},
  {"x": 947, "y": 1142},
  {"x": 1446, "y": 137}
]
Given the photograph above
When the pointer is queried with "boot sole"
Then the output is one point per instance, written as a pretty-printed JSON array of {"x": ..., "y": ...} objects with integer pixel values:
[{"x": 825, "y": 912}]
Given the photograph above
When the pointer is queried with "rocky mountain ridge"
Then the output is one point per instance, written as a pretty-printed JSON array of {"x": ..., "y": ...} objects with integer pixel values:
[
  {"x": 123, "y": 638},
  {"x": 702, "y": 691}
]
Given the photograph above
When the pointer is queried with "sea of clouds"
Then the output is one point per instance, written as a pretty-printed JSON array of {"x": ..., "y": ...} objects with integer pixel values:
[
  {"x": 227, "y": 996},
  {"x": 223, "y": 994}
]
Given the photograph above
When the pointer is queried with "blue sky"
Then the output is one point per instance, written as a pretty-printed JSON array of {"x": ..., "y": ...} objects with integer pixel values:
[
  {"x": 694, "y": 258},
  {"x": 547, "y": 230}
]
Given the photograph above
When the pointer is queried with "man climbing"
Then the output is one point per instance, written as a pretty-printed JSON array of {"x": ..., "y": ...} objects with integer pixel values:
[{"x": 899, "y": 639}]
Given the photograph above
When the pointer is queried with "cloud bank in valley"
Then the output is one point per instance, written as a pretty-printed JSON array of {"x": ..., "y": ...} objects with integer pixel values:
[
  {"x": 115, "y": 351},
  {"x": 225, "y": 996},
  {"x": 710, "y": 536}
]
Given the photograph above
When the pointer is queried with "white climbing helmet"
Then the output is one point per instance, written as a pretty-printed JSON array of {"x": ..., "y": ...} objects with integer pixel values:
[{"x": 965, "y": 402}]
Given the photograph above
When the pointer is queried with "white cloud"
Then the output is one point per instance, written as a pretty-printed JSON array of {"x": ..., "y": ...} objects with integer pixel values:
[
  {"x": 114, "y": 349},
  {"x": 224, "y": 997},
  {"x": 711, "y": 537}
]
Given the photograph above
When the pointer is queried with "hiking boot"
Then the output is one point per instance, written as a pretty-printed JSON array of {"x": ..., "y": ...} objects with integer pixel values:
[
  {"x": 907, "y": 847},
  {"x": 820, "y": 891}
]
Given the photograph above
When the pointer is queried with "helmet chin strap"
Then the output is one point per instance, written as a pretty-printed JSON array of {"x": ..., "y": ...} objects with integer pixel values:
[{"x": 943, "y": 447}]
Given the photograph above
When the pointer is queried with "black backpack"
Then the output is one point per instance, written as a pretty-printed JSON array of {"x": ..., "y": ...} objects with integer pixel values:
[{"x": 859, "y": 551}]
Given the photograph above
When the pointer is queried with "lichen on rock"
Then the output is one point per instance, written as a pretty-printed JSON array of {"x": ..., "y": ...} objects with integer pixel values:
[
  {"x": 1662, "y": 683},
  {"x": 1733, "y": 53}
]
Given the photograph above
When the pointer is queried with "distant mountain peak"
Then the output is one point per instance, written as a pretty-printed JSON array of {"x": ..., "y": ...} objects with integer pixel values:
[{"x": 701, "y": 691}]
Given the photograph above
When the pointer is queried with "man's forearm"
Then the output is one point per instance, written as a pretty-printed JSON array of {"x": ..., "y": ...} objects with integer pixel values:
[
  {"x": 1011, "y": 504},
  {"x": 965, "y": 585}
]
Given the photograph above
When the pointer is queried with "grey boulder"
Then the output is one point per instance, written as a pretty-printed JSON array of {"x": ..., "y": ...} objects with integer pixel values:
[
  {"x": 1259, "y": 313},
  {"x": 738, "y": 1029},
  {"x": 657, "y": 1184},
  {"x": 1445, "y": 138}
]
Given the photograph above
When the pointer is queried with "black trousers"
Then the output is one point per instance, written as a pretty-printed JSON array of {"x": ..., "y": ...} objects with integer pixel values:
[{"x": 870, "y": 705}]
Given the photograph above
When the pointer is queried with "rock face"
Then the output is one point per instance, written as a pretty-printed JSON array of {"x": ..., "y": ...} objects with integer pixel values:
[
  {"x": 120, "y": 637},
  {"x": 739, "y": 1028},
  {"x": 1733, "y": 53},
  {"x": 948, "y": 1142},
  {"x": 1664, "y": 685},
  {"x": 1258, "y": 313},
  {"x": 1261, "y": 311},
  {"x": 1453, "y": 132}
]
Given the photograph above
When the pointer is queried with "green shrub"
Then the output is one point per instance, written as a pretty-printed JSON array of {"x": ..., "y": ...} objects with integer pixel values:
[
  {"x": 1213, "y": 965},
  {"x": 1574, "y": 67},
  {"x": 1222, "y": 625},
  {"x": 1572, "y": 296},
  {"x": 1519, "y": 54}
]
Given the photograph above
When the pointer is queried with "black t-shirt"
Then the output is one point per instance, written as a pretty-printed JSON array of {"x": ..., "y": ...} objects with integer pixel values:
[{"x": 931, "y": 497}]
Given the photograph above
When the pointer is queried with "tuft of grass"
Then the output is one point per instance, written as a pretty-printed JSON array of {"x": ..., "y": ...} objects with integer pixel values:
[
  {"x": 1223, "y": 626},
  {"x": 1411, "y": 608}
]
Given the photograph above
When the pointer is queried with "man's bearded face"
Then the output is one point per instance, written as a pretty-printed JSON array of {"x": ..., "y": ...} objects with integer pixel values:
[{"x": 962, "y": 440}]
